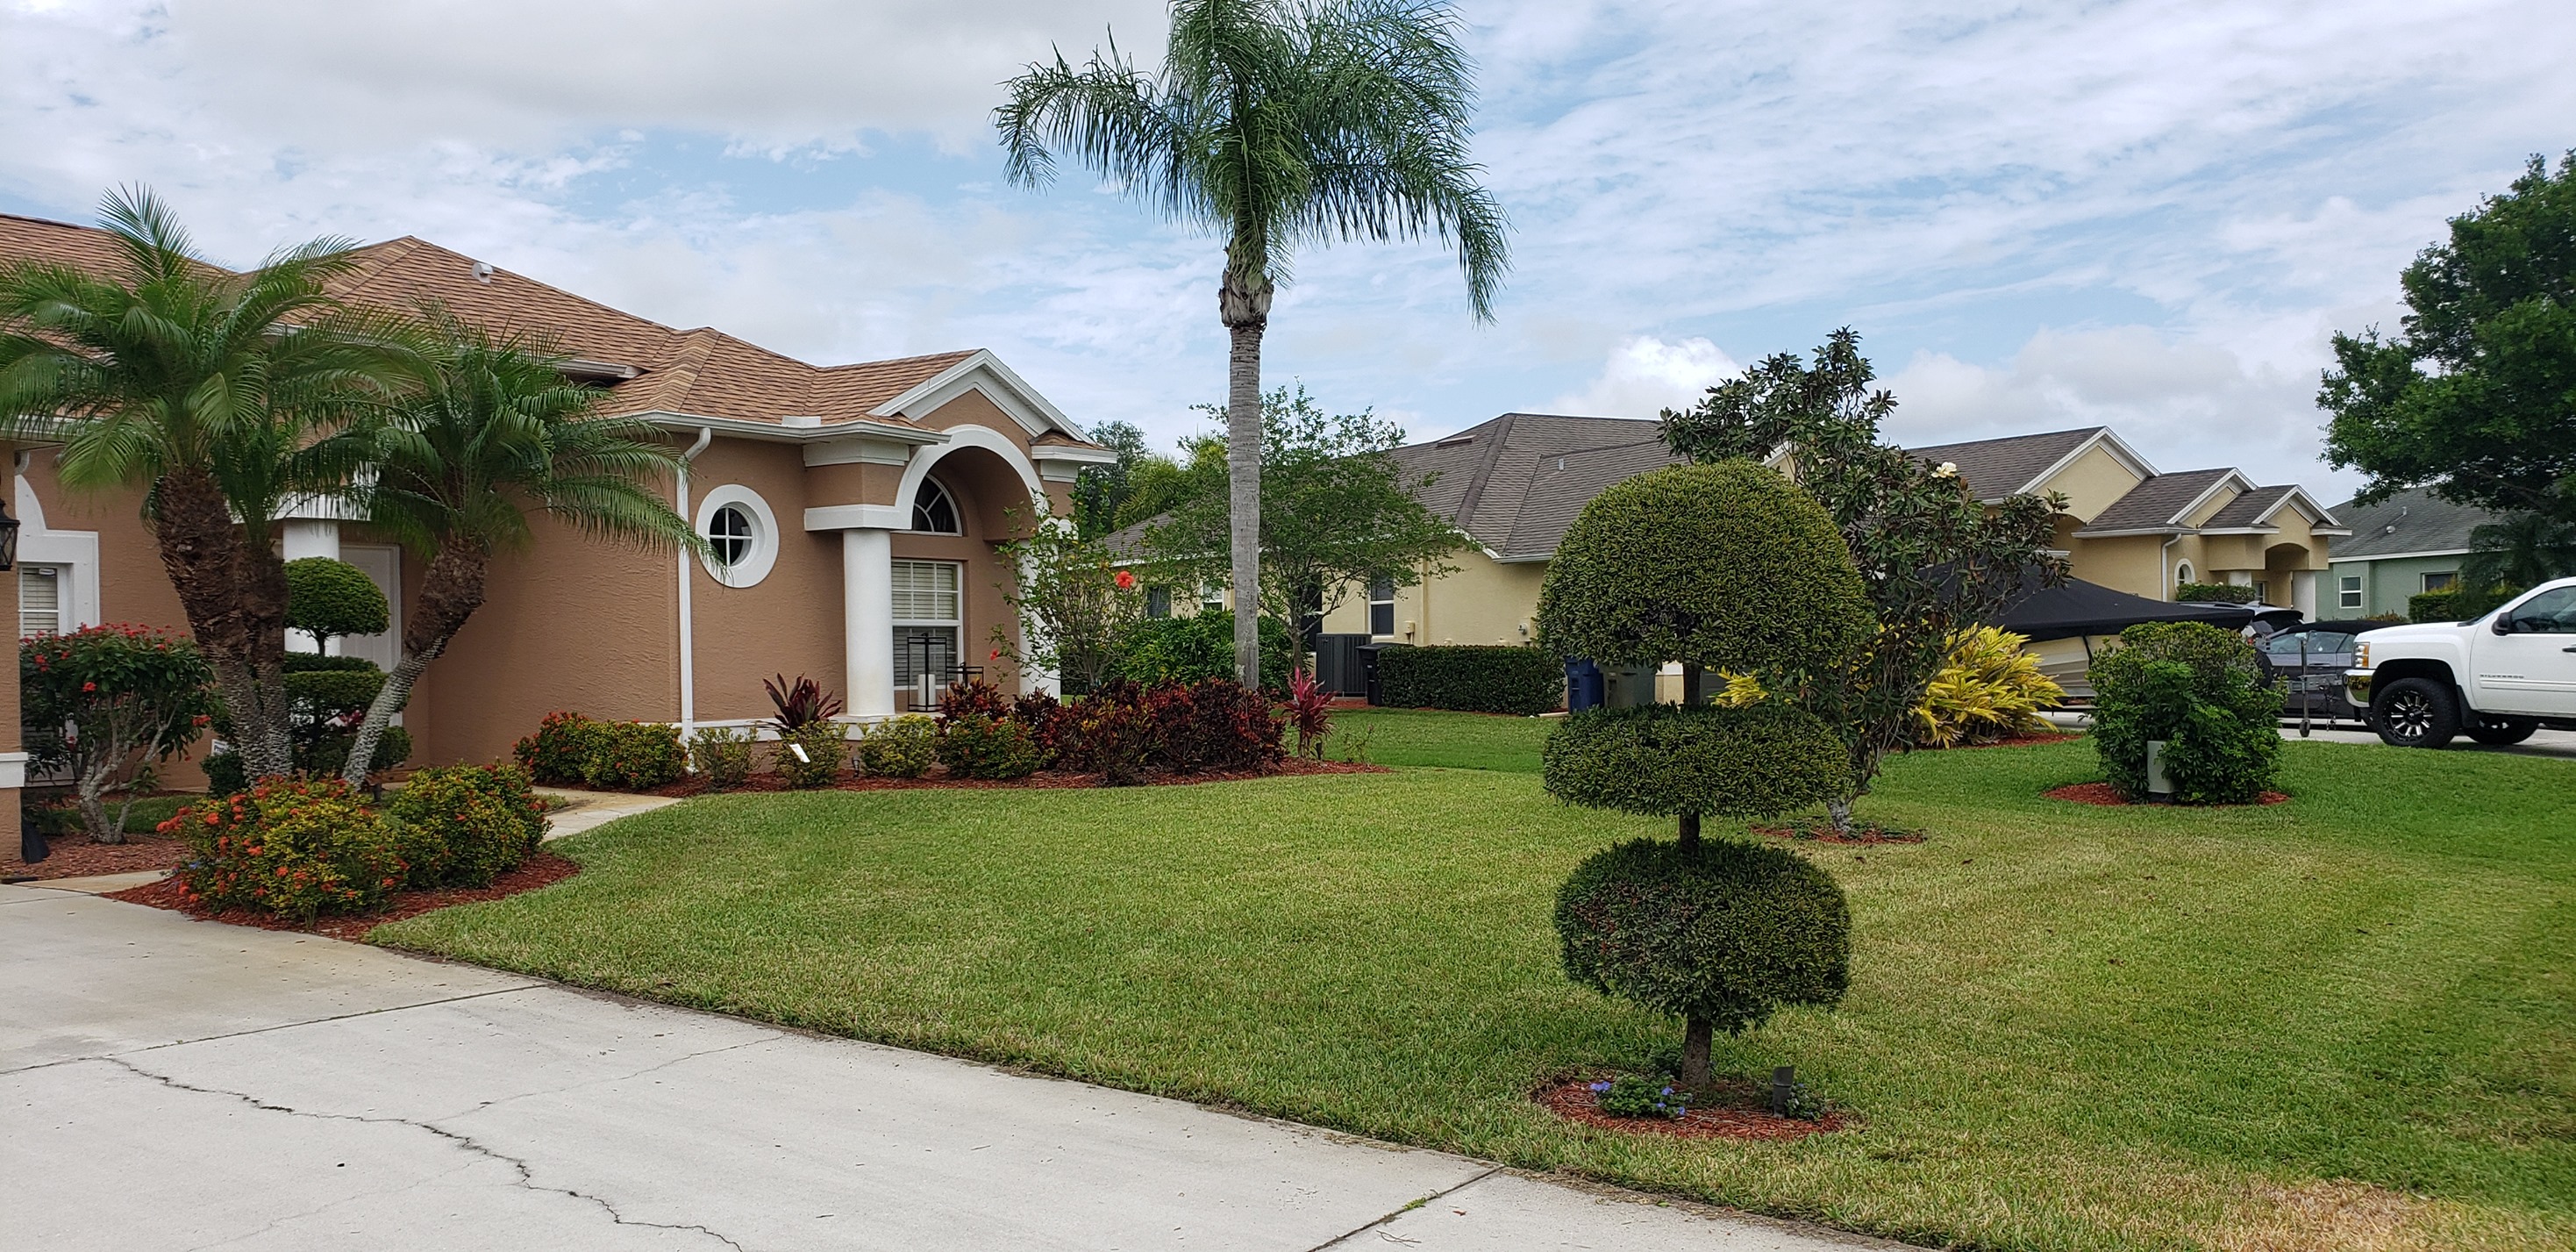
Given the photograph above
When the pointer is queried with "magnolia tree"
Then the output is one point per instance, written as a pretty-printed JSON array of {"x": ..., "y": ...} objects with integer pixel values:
[
  {"x": 107, "y": 702},
  {"x": 1934, "y": 559},
  {"x": 1727, "y": 567}
]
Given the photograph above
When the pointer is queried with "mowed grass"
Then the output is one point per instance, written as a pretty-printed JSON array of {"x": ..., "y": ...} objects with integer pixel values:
[
  {"x": 2342, "y": 1021},
  {"x": 1402, "y": 737}
]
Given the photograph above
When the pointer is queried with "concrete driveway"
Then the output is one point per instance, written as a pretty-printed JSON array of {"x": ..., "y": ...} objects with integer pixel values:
[{"x": 173, "y": 1084}]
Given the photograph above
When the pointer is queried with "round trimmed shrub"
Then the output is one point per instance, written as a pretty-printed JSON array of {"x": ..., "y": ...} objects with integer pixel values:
[
  {"x": 1728, "y": 566},
  {"x": 1727, "y": 934},
  {"x": 296, "y": 849},
  {"x": 827, "y": 749},
  {"x": 974, "y": 745},
  {"x": 465, "y": 825},
  {"x": 327, "y": 598},
  {"x": 905, "y": 747},
  {"x": 1670, "y": 759},
  {"x": 2199, "y": 689}
]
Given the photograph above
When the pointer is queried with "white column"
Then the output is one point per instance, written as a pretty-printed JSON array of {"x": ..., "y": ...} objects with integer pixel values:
[
  {"x": 2303, "y": 593},
  {"x": 867, "y": 614},
  {"x": 300, "y": 537}
]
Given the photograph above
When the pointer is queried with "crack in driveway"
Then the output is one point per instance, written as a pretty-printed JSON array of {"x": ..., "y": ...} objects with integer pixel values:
[{"x": 527, "y": 1176}]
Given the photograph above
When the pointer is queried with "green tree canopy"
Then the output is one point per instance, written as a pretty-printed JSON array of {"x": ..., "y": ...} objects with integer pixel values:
[
  {"x": 1337, "y": 510},
  {"x": 1275, "y": 125},
  {"x": 327, "y": 599},
  {"x": 1099, "y": 489},
  {"x": 2476, "y": 398}
]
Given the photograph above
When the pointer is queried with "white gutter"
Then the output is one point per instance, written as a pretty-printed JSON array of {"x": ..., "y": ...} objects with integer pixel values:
[{"x": 688, "y": 633}]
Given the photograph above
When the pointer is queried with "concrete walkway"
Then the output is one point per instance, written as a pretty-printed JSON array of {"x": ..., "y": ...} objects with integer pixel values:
[
  {"x": 572, "y": 812},
  {"x": 174, "y": 1084}
]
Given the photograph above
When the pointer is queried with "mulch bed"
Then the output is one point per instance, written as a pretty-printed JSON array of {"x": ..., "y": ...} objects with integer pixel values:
[
  {"x": 696, "y": 784},
  {"x": 1735, "y": 1111},
  {"x": 542, "y": 869},
  {"x": 1821, "y": 830},
  {"x": 74, "y": 856},
  {"x": 2104, "y": 794}
]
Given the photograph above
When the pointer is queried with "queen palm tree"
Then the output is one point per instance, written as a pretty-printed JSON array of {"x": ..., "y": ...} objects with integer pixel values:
[
  {"x": 492, "y": 432},
  {"x": 1275, "y": 124},
  {"x": 228, "y": 397}
]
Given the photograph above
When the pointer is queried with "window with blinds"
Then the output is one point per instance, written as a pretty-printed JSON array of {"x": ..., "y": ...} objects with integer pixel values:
[
  {"x": 40, "y": 599},
  {"x": 928, "y": 591}
]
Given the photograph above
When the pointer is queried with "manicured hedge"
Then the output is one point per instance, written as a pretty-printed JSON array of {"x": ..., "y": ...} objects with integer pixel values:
[
  {"x": 1471, "y": 678},
  {"x": 2213, "y": 593},
  {"x": 2458, "y": 604},
  {"x": 1671, "y": 759},
  {"x": 1726, "y": 935},
  {"x": 2198, "y": 689},
  {"x": 1730, "y": 566}
]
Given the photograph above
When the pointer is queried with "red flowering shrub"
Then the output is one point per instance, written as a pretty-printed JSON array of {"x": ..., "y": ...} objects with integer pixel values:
[
  {"x": 103, "y": 702},
  {"x": 293, "y": 848},
  {"x": 559, "y": 752},
  {"x": 465, "y": 825},
  {"x": 1216, "y": 724},
  {"x": 975, "y": 698}
]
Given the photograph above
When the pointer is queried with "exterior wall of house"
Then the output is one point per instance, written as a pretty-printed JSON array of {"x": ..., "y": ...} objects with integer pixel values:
[
  {"x": 2386, "y": 582},
  {"x": 2093, "y": 483},
  {"x": 2130, "y": 563},
  {"x": 788, "y": 623},
  {"x": 1482, "y": 601}
]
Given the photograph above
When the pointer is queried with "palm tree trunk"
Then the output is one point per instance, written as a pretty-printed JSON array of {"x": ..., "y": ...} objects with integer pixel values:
[
  {"x": 1696, "y": 1036},
  {"x": 1243, "y": 301},
  {"x": 450, "y": 591},
  {"x": 235, "y": 601}
]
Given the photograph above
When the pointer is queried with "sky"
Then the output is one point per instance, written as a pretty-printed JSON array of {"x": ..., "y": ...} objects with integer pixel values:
[{"x": 2153, "y": 216}]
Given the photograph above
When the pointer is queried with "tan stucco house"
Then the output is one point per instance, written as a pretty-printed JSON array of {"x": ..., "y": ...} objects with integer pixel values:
[
  {"x": 855, "y": 509},
  {"x": 1516, "y": 483}
]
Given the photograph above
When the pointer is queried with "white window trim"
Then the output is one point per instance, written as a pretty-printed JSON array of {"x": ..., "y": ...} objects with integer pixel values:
[
  {"x": 76, "y": 550},
  {"x": 955, "y": 510},
  {"x": 2424, "y": 581},
  {"x": 957, "y": 623},
  {"x": 2348, "y": 591},
  {"x": 755, "y": 566},
  {"x": 2182, "y": 572}
]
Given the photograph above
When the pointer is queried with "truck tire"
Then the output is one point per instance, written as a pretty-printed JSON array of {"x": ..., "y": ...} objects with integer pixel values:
[
  {"x": 2415, "y": 713},
  {"x": 2498, "y": 732}
]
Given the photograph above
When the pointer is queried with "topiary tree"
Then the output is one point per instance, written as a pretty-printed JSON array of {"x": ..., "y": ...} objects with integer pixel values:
[
  {"x": 2201, "y": 691},
  {"x": 328, "y": 599},
  {"x": 1728, "y": 567}
]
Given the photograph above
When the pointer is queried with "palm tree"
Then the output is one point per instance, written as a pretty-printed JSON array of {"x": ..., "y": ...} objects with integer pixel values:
[
  {"x": 492, "y": 432},
  {"x": 1275, "y": 124},
  {"x": 2523, "y": 550},
  {"x": 228, "y": 397}
]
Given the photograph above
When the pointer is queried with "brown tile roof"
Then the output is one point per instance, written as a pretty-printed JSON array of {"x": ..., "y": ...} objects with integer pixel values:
[
  {"x": 2155, "y": 504},
  {"x": 702, "y": 372},
  {"x": 1995, "y": 468}
]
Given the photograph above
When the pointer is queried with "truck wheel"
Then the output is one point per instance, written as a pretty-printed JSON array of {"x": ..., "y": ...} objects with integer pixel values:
[
  {"x": 2503, "y": 731},
  {"x": 2415, "y": 713}
]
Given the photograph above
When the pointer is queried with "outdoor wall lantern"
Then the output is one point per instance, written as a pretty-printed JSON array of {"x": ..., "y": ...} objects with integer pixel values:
[{"x": 8, "y": 538}]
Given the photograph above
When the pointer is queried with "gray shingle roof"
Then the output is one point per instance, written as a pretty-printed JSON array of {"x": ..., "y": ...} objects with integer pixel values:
[
  {"x": 2248, "y": 509},
  {"x": 1515, "y": 483},
  {"x": 2410, "y": 521},
  {"x": 1996, "y": 468},
  {"x": 2152, "y": 504}
]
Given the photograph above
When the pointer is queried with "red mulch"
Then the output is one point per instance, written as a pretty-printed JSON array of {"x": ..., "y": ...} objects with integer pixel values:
[
  {"x": 542, "y": 869},
  {"x": 74, "y": 856},
  {"x": 1736, "y": 1111},
  {"x": 1821, "y": 830},
  {"x": 696, "y": 784},
  {"x": 2102, "y": 793}
]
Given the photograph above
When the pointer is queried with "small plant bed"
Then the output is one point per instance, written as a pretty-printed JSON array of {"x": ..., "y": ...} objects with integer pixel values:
[
  {"x": 541, "y": 869},
  {"x": 1821, "y": 830},
  {"x": 1735, "y": 1110},
  {"x": 74, "y": 856},
  {"x": 2108, "y": 796}
]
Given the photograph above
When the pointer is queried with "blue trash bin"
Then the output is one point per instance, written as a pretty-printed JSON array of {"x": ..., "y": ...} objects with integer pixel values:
[{"x": 1583, "y": 686}]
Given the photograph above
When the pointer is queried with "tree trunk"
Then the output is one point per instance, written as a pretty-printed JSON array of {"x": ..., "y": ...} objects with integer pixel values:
[
  {"x": 450, "y": 590},
  {"x": 235, "y": 600},
  {"x": 1695, "y": 1041},
  {"x": 89, "y": 792},
  {"x": 1839, "y": 809},
  {"x": 1690, "y": 834},
  {"x": 1243, "y": 302}
]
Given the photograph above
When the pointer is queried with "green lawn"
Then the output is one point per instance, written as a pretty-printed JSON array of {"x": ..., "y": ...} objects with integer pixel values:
[
  {"x": 2343, "y": 1021},
  {"x": 1443, "y": 740}
]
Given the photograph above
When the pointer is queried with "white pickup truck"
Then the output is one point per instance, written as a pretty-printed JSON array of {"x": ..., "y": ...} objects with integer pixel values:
[{"x": 2496, "y": 679}]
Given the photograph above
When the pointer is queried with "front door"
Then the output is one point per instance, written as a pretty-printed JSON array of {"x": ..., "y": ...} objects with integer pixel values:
[
  {"x": 382, "y": 564},
  {"x": 2532, "y": 668}
]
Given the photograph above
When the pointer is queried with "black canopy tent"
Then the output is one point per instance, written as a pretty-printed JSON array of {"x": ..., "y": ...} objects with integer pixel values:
[{"x": 2075, "y": 608}]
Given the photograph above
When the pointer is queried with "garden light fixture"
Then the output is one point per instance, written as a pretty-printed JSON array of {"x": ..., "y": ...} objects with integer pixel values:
[{"x": 8, "y": 538}]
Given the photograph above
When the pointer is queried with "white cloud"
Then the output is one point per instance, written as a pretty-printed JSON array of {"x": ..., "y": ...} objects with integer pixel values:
[
  {"x": 1646, "y": 375},
  {"x": 2183, "y": 404}
]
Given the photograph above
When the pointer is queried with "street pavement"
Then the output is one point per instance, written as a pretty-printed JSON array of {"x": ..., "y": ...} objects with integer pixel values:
[{"x": 175, "y": 1084}]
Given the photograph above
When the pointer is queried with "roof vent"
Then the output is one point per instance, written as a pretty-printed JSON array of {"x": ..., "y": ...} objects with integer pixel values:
[{"x": 483, "y": 271}]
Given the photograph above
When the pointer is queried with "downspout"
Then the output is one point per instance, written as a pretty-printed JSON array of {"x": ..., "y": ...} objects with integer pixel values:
[
  {"x": 688, "y": 632},
  {"x": 2164, "y": 568}
]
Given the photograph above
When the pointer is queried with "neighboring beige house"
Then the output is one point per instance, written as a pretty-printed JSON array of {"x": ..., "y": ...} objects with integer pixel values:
[
  {"x": 855, "y": 509},
  {"x": 1514, "y": 484}
]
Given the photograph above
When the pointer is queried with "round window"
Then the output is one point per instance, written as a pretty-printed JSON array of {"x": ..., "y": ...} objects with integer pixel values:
[
  {"x": 729, "y": 533},
  {"x": 741, "y": 534}
]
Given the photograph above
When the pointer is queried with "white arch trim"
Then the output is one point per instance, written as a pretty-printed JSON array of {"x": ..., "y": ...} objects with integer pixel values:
[
  {"x": 75, "y": 550},
  {"x": 898, "y": 516}
]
